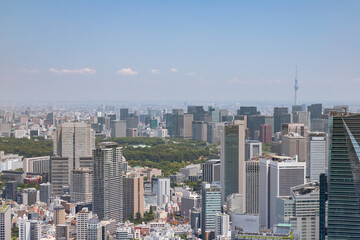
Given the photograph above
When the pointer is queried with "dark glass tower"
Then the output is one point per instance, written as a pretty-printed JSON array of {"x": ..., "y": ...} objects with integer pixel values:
[{"x": 344, "y": 176}]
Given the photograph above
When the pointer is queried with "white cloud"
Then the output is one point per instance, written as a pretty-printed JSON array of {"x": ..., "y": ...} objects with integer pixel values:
[
  {"x": 191, "y": 73},
  {"x": 173, "y": 70},
  {"x": 73, "y": 71},
  {"x": 356, "y": 80},
  {"x": 155, "y": 71},
  {"x": 127, "y": 71},
  {"x": 29, "y": 70}
]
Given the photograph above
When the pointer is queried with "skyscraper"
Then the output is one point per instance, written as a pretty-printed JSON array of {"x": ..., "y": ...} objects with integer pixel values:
[
  {"x": 277, "y": 175},
  {"x": 82, "y": 219},
  {"x": 214, "y": 114},
  {"x": 199, "y": 131},
  {"x": 81, "y": 185},
  {"x": 317, "y": 155},
  {"x": 133, "y": 196},
  {"x": 124, "y": 113},
  {"x": 281, "y": 116},
  {"x": 233, "y": 159},
  {"x": 315, "y": 110},
  {"x": 211, "y": 204},
  {"x": 344, "y": 176},
  {"x": 266, "y": 133},
  {"x": 161, "y": 187},
  {"x": 252, "y": 186},
  {"x": 73, "y": 145},
  {"x": 5, "y": 222},
  {"x": 107, "y": 181},
  {"x": 118, "y": 129},
  {"x": 211, "y": 171},
  {"x": 45, "y": 192}
]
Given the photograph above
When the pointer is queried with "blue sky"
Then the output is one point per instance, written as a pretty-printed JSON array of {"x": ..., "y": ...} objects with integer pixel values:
[{"x": 179, "y": 50}]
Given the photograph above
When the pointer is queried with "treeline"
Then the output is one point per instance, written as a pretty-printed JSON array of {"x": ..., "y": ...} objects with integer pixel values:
[{"x": 34, "y": 147}]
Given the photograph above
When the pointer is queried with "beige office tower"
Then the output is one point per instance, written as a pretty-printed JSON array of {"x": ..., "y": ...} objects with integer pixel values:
[
  {"x": 233, "y": 160},
  {"x": 185, "y": 125},
  {"x": 5, "y": 222},
  {"x": 81, "y": 185},
  {"x": 82, "y": 220},
  {"x": 59, "y": 215},
  {"x": 252, "y": 186},
  {"x": 133, "y": 192},
  {"x": 73, "y": 145},
  {"x": 294, "y": 144}
]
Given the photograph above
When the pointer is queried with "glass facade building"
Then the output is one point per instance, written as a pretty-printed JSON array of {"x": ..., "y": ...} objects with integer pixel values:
[{"x": 344, "y": 176}]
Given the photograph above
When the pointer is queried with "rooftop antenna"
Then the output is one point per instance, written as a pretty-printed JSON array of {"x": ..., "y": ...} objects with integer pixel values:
[{"x": 296, "y": 88}]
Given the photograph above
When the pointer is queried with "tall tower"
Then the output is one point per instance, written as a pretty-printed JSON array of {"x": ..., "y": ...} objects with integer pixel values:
[
  {"x": 344, "y": 184},
  {"x": 296, "y": 88},
  {"x": 107, "y": 181}
]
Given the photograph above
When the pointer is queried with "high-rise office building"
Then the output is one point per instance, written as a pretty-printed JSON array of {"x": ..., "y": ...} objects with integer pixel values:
[
  {"x": 323, "y": 199},
  {"x": 59, "y": 215},
  {"x": 266, "y": 133},
  {"x": 344, "y": 176},
  {"x": 301, "y": 210},
  {"x": 198, "y": 112},
  {"x": 5, "y": 222},
  {"x": 107, "y": 181},
  {"x": 199, "y": 131},
  {"x": 73, "y": 145},
  {"x": 161, "y": 187},
  {"x": 233, "y": 159},
  {"x": 51, "y": 118},
  {"x": 317, "y": 155},
  {"x": 253, "y": 148},
  {"x": 248, "y": 110},
  {"x": 281, "y": 116},
  {"x": 124, "y": 113},
  {"x": 118, "y": 129},
  {"x": 252, "y": 169},
  {"x": 45, "y": 192},
  {"x": 185, "y": 125},
  {"x": 302, "y": 117},
  {"x": 211, "y": 171},
  {"x": 214, "y": 114},
  {"x": 81, "y": 185},
  {"x": 82, "y": 219},
  {"x": 211, "y": 204},
  {"x": 277, "y": 175},
  {"x": 315, "y": 110},
  {"x": 11, "y": 190},
  {"x": 294, "y": 144},
  {"x": 133, "y": 196}
]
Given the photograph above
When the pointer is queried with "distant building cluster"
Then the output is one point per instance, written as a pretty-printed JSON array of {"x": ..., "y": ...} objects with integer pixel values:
[{"x": 290, "y": 175}]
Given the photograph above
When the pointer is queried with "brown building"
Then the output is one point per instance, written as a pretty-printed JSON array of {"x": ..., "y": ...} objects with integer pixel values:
[
  {"x": 294, "y": 144},
  {"x": 133, "y": 195},
  {"x": 59, "y": 215},
  {"x": 266, "y": 133}
]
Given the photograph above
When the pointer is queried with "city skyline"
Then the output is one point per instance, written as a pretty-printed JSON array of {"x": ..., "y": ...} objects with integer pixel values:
[{"x": 127, "y": 51}]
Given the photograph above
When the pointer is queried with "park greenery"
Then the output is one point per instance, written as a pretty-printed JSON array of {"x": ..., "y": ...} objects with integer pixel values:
[
  {"x": 34, "y": 147},
  {"x": 169, "y": 155}
]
